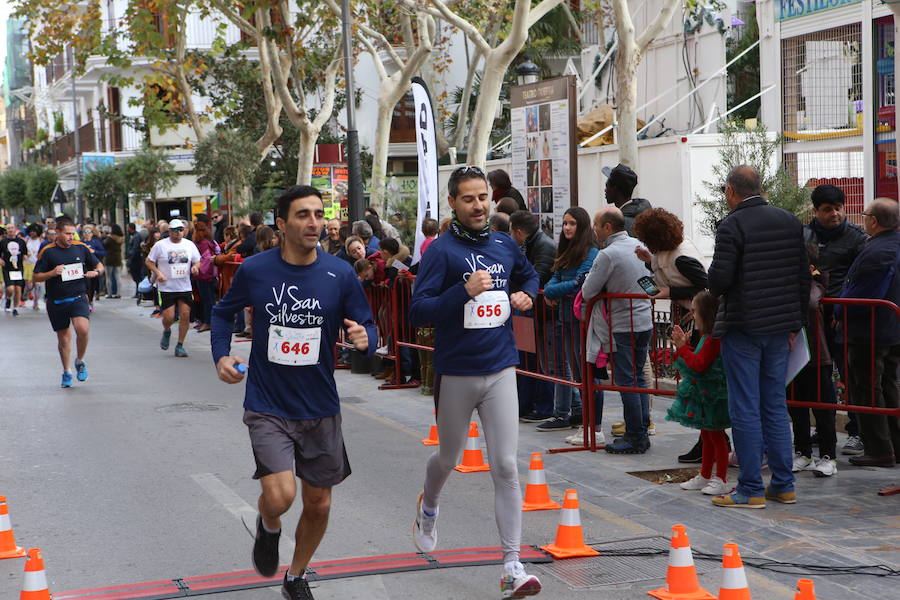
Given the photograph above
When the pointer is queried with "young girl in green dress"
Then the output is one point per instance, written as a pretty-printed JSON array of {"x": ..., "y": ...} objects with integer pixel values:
[{"x": 701, "y": 400}]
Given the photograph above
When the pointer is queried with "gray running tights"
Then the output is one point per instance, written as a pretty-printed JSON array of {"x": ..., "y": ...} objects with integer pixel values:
[{"x": 495, "y": 398}]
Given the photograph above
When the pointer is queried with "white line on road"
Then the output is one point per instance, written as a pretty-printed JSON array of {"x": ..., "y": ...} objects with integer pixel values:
[{"x": 223, "y": 494}]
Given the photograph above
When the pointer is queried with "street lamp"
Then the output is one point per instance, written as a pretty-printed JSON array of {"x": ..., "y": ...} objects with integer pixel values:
[{"x": 527, "y": 72}]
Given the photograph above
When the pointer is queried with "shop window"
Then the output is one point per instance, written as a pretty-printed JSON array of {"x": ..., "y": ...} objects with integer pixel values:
[
  {"x": 403, "y": 123},
  {"x": 822, "y": 84}
]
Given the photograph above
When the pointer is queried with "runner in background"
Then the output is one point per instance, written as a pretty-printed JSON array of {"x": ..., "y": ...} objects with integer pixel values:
[
  {"x": 33, "y": 243},
  {"x": 301, "y": 298},
  {"x": 468, "y": 281},
  {"x": 13, "y": 252},
  {"x": 66, "y": 265},
  {"x": 172, "y": 261}
]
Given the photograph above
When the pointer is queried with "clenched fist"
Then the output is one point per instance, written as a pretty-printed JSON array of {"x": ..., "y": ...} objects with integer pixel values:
[{"x": 479, "y": 281}]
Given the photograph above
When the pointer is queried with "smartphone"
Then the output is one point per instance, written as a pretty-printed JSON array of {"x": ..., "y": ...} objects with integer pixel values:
[{"x": 648, "y": 285}]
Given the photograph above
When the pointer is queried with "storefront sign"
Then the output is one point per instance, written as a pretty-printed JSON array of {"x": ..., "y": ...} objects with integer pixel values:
[{"x": 791, "y": 9}]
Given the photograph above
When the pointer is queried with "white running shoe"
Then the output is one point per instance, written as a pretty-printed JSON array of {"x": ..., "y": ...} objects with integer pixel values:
[
  {"x": 382, "y": 351},
  {"x": 716, "y": 487},
  {"x": 801, "y": 463},
  {"x": 697, "y": 482},
  {"x": 424, "y": 531},
  {"x": 824, "y": 467},
  {"x": 516, "y": 583},
  {"x": 577, "y": 438}
]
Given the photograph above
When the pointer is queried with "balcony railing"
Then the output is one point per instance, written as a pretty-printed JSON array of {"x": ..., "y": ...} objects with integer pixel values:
[{"x": 63, "y": 148}]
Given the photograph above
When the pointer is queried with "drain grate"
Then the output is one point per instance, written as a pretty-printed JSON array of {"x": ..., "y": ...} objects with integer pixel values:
[
  {"x": 599, "y": 571},
  {"x": 190, "y": 407}
]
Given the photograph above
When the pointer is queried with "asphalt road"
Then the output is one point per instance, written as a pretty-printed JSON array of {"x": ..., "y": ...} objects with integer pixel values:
[{"x": 143, "y": 473}]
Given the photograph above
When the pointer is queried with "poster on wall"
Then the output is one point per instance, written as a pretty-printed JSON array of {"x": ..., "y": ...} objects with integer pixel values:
[{"x": 544, "y": 159}]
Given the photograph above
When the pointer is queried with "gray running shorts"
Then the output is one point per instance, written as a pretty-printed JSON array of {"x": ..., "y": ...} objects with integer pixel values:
[{"x": 313, "y": 448}]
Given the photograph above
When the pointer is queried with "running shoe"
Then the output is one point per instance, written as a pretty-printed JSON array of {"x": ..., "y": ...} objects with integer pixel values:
[
  {"x": 534, "y": 417},
  {"x": 66, "y": 380},
  {"x": 824, "y": 467},
  {"x": 698, "y": 482},
  {"x": 180, "y": 352},
  {"x": 297, "y": 589},
  {"x": 624, "y": 446},
  {"x": 424, "y": 530},
  {"x": 716, "y": 487},
  {"x": 555, "y": 424},
  {"x": 166, "y": 338},
  {"x": 853, "y": 447},
  {"x": 801, "y": 463},
  {"x": 516, "y": 583},
  {"x": 15, "y": 312},
  {"x": 265, "y": 550},
  {"x": 577, "y": 438},
  {"x": 81, "y": 370}
]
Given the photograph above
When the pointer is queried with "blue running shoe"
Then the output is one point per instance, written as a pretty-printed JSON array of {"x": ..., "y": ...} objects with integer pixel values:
[
  {"x": 66, "y": 380},
  {"x": 81, "y": 370},
  {"x": 166, "y": 337},
  {"x": 180, "y": 352}
]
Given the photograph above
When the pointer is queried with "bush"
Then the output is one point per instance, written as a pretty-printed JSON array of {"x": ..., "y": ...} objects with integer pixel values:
[{"x": 104, "y": 188}]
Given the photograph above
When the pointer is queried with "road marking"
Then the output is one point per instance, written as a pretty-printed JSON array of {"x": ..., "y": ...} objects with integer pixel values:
[{"x": 223, "y": 494}]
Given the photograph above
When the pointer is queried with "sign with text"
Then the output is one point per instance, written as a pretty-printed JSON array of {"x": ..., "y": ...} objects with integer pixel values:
[
  {"x": 791, "y": 9},
  {"x": 544, "y": 159}
]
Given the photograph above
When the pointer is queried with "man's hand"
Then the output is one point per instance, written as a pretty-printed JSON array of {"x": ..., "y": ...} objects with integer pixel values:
[
  {"x": 521, "y": 301},
  {"x": 679, "y": 337},
  {"x": 643, "y": 254},
  {"x": 357, "y": 335},
  {"x": 160, "y": 277},
  {"x": 479, "y": 281},
  {"x": 91, "y": 274},
  {"x": 792, "y": 340},
  {"x": 227, "y": 371},
  {"x": 59, "y": 269}
]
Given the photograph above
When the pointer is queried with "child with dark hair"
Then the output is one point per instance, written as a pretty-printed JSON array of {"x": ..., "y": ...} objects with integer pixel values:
[
  {"x": 814, "y": 384},
  {"x": 701, "y": 400},
  {"x": 365, "y": 270}
]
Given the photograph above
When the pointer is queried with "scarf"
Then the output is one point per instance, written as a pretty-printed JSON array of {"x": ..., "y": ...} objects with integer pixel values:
[
  {"x": 824, "y": 234},
  {"x": 462, "y": 232}
]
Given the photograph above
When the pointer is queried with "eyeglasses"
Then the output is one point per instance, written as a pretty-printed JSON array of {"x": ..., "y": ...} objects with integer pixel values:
[
  {"x": 177, "y": 229},
  {"x": 465, "y": 170}
]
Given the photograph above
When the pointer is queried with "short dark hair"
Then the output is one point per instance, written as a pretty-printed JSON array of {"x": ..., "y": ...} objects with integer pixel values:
[
  {"x": 389, "y": 244},
  {"x": 132, "y": 226},
  {"x": 2, "y": 230},
  {"x": 507, "y": 205},
  {"x": 64, "y": 221},
  {"x": 256, "y": 218},
  {"x": 614, "y": 218},
  {"x": 884, "y": 211},
  {"x": 35, "y": 227},
  {"x": 361, "y": 265},
  {"x": 462, "y": 174},
  {"x": 499, "y": 222},
  {"x": 524, "y": 220},
  {"x": 202, "y": 218},
  {"x": 745, "y": 181},
  {"x": 827, "y": 194},
  {"x": 430, "y": 227},
  {"x": 285, "y": 200}
]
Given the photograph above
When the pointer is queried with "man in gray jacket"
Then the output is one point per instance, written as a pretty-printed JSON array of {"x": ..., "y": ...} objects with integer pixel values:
[{"x": 616, "y": 270}]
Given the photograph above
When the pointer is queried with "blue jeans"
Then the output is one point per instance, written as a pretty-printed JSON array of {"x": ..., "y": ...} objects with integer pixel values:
[
  {"x": 756, "y": 369},
  {"x": 566, "y": 359},
  {"x": 112, "y": 280},
  {"x": 628, "y": 371}
]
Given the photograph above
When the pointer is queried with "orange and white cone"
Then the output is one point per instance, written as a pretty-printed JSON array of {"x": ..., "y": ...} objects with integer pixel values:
[
  {"x": 681, "y": 574},
  {"x": 537, "y": 492},
  {"x": 8, "y": 548},
  {"x": 35, "y": 585},
  {"x": 569, "y": 535},
  {"x": 432, "y": 439},
  {"x": 473, "y": 460},
  {"x": 734, "y": 579},
  {"x": 805, "y": 590}
]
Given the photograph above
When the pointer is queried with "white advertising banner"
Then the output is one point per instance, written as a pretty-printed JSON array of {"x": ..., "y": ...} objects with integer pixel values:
[{"x": 426, "y": 143}]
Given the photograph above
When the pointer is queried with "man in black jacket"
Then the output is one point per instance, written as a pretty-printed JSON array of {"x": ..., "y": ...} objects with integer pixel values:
[
  {"x": 874, "y": 275},
  {"x": 133, "y": 257},
  {"x": 619, "y": 187},
  {"x": 535, "y": 395},
  {"x": 761, "y": 271},
  {"x": 839, "y": 242}
]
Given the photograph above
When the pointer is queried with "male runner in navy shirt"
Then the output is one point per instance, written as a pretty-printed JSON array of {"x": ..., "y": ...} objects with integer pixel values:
[
  {"x": 468, "y": 282},
  {"x": 66, "y": 265},
  {"x": 301, "y": 297}
]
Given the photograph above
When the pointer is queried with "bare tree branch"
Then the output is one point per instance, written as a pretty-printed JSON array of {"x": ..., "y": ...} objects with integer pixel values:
[{"x": 658, "y": 25}]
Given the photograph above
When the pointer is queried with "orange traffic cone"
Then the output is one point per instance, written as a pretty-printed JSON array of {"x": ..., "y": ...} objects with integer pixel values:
[
  {"x": 432, "y": 439},
  {"x": 35, "y": 585},
  {"x": 734, "y": 580},
  {"x": 8, "y": 548},
  {"x": 805, "y": 590},
  {"x": 472, "y": 458},
  {"x": 537, "y": 492},
  {"x": 681, "y": 575},
  {"x": 569, "y": 536}
]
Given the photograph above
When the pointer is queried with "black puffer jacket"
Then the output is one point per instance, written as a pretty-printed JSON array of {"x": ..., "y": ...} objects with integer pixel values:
[
  {"x": 761, "y": 270},
  {"x": 874, "y": 275},
  {"x": 838, "y": 249},
  {"x": 540, "y": 250}
]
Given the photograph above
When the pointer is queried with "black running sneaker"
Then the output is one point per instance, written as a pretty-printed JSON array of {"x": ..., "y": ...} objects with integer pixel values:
[
  {"x": 297, "y": 589},
  {"x": 265, "y": 550}
]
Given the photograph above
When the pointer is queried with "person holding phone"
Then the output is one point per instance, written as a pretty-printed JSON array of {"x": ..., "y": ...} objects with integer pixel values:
[{"x": 678, "y": 274}]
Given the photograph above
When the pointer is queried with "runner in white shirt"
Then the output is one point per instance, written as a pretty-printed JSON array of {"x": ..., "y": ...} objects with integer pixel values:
[
  {"x": 33, "y": 243},
  {"x": 172, "y": 260}
]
